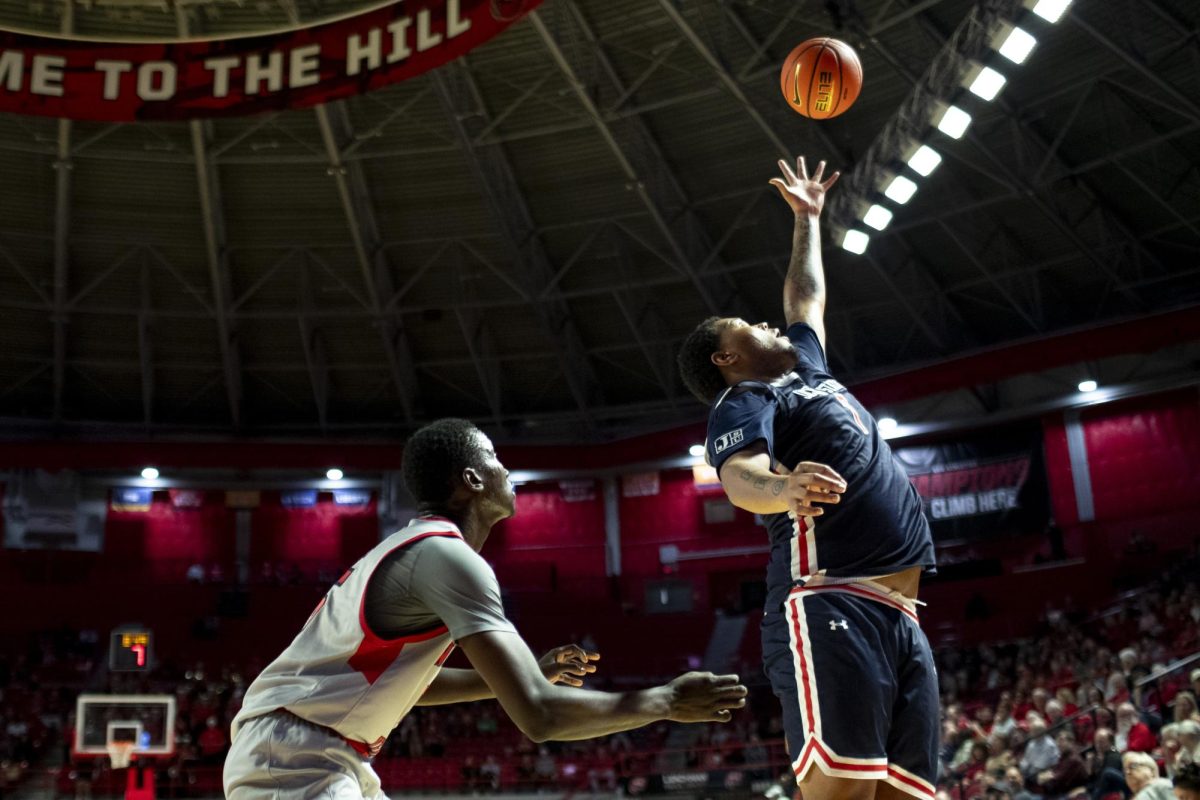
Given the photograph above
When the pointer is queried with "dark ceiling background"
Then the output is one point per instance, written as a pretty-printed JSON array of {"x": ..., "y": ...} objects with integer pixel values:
[{"x": 525, "y": 236}]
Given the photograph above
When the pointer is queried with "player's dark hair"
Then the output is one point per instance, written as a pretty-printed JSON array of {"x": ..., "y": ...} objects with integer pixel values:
[
  {"x": 1188, "y": 777},
  {"x": 699, "y": 373},
  {"x": 435, "y": 456}
]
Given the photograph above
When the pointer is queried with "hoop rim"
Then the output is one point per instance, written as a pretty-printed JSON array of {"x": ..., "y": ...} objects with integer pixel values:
[{"x": 120, "y": 753}]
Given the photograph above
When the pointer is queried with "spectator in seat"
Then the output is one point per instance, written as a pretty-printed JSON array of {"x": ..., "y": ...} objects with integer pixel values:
[
  {"x": 212, "y": 741},
  {"x": 1132, "y": 733},
  {"x": 1041, "y": 753},
  {"x": 1069, "y": 773},
  {"x": 471, "y": 774},
  {"x": 1185, "y": 707},
  {"x": 1000, "y": 758},
  {"x": 1054, "y": 712},
  {"x": 1195, "y": 676},
  {"x": 1189, "y": 740},
  {"x": 1187, "y": 783},
  {"x": 489, "y": 772},
  {"x": 545, "y": 769},
  {"x": 1016, "y": 782},
  {"x": 1004, "y": 723},
  {"x": 1142, "y": 778},
  {"x": 1107, "y": 771}
]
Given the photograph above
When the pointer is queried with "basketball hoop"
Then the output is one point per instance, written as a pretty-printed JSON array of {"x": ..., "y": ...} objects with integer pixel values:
[{"x": 120, "y": 754}]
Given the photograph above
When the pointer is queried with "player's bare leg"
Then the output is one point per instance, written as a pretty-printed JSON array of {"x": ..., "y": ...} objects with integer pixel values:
[
  {"x": 886, "y": 791},
  {"x": 819, "y": 786}
]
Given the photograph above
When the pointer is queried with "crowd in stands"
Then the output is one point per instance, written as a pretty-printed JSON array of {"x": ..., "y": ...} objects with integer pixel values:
[
  {"x": 1075, "y": 710},
  {"x": 1080, "y": 709}
]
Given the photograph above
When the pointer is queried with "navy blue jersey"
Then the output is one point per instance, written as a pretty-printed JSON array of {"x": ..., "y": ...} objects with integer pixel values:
[{"x": 806, "y": 415}]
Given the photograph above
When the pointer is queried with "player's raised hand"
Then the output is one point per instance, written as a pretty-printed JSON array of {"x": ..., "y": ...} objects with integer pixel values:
[
  {"x": 704, "y": 697},
  {"x": 568, "y": 664},
  {"x": 808, "y": 484},
  {"x": 804, "y": 194}
]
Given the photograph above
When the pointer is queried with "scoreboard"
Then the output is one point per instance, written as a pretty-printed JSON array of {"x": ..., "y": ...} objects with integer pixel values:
[{"x": 131, "y": 649}]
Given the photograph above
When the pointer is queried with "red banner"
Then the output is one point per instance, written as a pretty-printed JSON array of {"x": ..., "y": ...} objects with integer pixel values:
[{"x": 132, "y": 81}]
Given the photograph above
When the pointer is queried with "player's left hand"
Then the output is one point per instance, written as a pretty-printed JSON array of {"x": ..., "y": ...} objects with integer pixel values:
[
  {"x": 568, "y": 664},
  {"x": 803, "y": 194}
]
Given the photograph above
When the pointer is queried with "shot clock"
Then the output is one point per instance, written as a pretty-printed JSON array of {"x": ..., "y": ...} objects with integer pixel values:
[{"x": 131, "y": 649}]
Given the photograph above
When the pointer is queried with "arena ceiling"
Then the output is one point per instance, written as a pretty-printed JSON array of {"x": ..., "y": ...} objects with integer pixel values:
[{"x": 525, "y": 236}]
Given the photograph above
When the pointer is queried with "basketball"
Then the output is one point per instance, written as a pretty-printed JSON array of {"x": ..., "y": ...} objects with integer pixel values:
[{"x": 821, "y": 78}]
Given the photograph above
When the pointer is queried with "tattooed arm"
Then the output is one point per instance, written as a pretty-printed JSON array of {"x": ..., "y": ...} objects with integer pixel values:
[
  {"x": 804, "y": 286},
  {"x": 752, "y": 485}
]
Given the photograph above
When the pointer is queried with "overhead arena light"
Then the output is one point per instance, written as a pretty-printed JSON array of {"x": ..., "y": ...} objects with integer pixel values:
[
  {"x": 1088, "y": 386},
  {"x": 334, "y": 474},
  {"x": 922, "y": 159},
  {"x": 855, "y": 241},
  {"x": 953, "y": 122},
  {"x": 1049, "y": 10},
  {"x": 878, "y": 217},
  {"x": 900, "y": 189},
  {"x": 1013, "y": 43},
  {"x": 150, "y": 473},
  {"x": 984, "y": 81},
  {"x": 696, "y": 451},
  {"x": 887, "y": 426}
]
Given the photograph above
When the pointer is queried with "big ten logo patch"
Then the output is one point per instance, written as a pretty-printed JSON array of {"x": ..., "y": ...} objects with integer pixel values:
[{"x": 728, "y": 440}]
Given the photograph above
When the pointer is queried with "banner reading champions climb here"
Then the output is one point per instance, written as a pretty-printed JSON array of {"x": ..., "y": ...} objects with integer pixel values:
[
  {"x": 986, "y": 485},
  {"x": 131, "y": 81}
]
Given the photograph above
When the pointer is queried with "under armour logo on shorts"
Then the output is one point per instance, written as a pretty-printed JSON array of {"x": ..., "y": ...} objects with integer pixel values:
[{"x": 833, "y": 626}]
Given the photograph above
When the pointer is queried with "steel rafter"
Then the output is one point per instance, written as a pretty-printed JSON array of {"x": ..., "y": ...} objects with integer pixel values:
[
  {"x": 313, "y": 344},
  {"x": 941, "y": 340},
  {"x": 62, "y": 229},
  {"x": 969, "y": 40},
  {"x": 146, "y": 341},
  {"x": 467, "y": 114},
  {"x": 336, "y": 133},
  {"x": 217, "y": 253},
  {"x": 637, "y": 152},
  {"x": 479, "y": 340},
  {"x": 338, "y": 137}
]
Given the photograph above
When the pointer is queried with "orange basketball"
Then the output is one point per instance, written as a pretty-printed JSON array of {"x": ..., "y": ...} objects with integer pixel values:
[{"x": 821, "y": 78}]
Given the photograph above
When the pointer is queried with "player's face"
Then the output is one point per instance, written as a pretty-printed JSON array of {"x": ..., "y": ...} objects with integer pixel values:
[
  {"x": 756, "y": 343},
  {"x": 497, "y": 487},
  {"x": 1186, "y": 794},
  {"x": 743, "y": 337}
]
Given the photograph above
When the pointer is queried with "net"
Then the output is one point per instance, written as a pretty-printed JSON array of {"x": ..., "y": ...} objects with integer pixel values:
[{"x": 120, "y": 754}]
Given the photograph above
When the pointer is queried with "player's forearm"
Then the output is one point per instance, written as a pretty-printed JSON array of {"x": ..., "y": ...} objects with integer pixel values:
[
  {"x": 804, "y": 286},
  {"x": 569, "y": 714},
  {"x": 456, "y": 686},
  {"x": 752, "y": 487}
]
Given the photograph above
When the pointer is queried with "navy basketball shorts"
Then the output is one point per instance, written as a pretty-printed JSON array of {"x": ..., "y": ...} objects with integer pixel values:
[{"x": 858, "y": 685}]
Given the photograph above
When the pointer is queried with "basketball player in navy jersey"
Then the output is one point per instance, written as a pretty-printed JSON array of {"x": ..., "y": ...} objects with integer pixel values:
[
  {"x": 374, "y": 647},
  {"x": 849, "y": 542}
]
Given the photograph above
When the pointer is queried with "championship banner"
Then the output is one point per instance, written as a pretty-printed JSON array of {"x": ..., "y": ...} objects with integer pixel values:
[
  {"x": 990, "y": 485},
  {"x": 135, "y": 80}
]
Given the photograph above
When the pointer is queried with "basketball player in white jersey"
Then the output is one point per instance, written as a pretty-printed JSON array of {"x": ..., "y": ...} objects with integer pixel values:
[{"x": 375, "y": 645}]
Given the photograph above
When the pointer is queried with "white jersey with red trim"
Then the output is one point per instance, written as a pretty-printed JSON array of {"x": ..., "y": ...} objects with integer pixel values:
[{"x": 338, "y": 673}]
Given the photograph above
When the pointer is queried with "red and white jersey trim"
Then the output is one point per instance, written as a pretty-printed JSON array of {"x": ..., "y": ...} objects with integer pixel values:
[{"x": 340, "y": 674}]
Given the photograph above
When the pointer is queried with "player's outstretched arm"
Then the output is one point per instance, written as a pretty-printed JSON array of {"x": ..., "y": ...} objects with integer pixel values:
[
  {"x": 804, "y": 286},
  {"x": 568, "y": 664},
  {"x": 544, "y": 711},
  {"x": 751, "y": 484}
]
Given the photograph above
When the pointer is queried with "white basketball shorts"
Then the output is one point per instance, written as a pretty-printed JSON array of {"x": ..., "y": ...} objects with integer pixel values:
[{"x": 281, "y": 757}]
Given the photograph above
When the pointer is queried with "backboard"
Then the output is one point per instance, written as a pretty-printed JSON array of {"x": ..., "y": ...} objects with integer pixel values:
[{"x": 148, "y": 720}]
